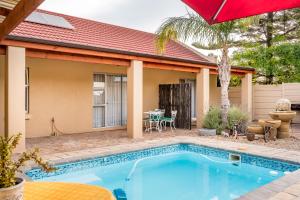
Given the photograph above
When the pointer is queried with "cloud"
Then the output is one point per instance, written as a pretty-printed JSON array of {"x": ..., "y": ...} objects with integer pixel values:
[{"x": 146, "y": 15}]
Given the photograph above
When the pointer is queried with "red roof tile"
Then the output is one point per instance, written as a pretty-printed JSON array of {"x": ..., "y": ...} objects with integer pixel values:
[{"x": 101, "y": 35}]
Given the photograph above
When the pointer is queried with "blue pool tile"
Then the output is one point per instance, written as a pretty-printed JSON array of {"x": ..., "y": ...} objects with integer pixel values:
[{"x": 36, "y": 174}]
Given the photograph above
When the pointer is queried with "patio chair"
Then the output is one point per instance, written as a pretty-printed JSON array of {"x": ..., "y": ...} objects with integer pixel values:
[
  {"x": 170, "y": 120},
  {"x": 154, "y": 121}
]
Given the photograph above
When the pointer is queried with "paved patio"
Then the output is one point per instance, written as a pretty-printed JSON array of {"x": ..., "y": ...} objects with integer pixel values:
[{"x": 68, "y": 143}]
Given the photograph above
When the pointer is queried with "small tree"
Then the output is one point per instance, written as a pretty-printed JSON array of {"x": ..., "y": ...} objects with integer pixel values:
[
  {"x": 210, "y": 37},
  {"x": 9, "y": 167}
]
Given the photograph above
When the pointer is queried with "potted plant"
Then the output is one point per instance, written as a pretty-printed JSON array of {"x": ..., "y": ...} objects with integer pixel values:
[
  {"x": 237, "y": 117},
  {"x": 11, "y": 184},
  {"x": 212, "y": 123}
]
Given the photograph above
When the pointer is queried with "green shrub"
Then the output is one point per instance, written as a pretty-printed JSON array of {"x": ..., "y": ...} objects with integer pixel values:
[
  {"x": 235, "y": 115},
  {"x": 213, "y": 120}
]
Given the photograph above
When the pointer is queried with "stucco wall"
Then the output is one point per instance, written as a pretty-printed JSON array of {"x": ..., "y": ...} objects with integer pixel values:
[
  {"x": 63, "y": 90},
  {"x": 154, "y": 77}
]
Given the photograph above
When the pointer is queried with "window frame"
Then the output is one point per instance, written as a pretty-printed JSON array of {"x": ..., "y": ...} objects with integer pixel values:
[{"x": 27, "y": 87}]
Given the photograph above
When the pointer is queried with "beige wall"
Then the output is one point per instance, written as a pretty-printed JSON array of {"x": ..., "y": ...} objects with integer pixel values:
[
  {"x": 63, "y": 90},
  {"x": 154, "y": 77}
]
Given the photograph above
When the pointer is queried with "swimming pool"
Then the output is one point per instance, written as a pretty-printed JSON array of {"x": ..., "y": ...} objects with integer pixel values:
[{"x": 180, "y": 172}]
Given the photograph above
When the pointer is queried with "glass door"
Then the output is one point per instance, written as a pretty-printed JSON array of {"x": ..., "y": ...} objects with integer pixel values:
[{"x": 110, "y": 100}]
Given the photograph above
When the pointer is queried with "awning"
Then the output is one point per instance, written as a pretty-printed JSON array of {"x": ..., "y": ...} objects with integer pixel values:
[{"x": 216, "y": 11}]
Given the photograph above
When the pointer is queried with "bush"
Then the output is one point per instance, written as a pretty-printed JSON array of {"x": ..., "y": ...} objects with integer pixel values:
[
  {"x": 235, "y": 115},
  {"x": 213, "y": 120}
]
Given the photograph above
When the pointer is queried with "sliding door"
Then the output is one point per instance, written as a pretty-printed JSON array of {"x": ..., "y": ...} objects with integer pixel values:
[{"x": 115, "y": 102}]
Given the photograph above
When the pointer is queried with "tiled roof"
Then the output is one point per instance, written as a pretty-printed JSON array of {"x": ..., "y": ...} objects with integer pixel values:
[{"x": 105, "y": 36}]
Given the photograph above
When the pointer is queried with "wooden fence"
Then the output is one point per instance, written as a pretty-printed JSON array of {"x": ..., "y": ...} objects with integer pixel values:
[{"x": 265, "y": 97}]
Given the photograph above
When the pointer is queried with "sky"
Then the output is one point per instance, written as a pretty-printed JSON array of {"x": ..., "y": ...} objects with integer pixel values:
[{"x": 144, "y": 15}]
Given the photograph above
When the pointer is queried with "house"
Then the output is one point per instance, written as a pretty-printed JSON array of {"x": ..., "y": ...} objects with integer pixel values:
[{"x": 78, "y": 75}]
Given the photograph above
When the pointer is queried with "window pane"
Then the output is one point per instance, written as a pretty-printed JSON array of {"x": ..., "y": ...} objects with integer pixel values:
[
  {"x": 99, "y": 89},
  {"x": 99, "y": 101},
  {"x": 124, "y": 100},
  {"x": 99, "y": 117},
  {"x": 113, "y": 117}
]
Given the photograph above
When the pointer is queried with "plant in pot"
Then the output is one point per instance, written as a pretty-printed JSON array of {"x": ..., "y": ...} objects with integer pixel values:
[
  {"x": 212, "y": 123},
  {"x": 11, "y": 184},
  {"x": 236, "y": 117}
]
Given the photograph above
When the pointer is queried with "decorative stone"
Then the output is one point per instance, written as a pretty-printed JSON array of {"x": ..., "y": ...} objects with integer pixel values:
[
  {"x": 283, "y": 105},
  {"x": 207, "y": 132},
  {"x": 285, "y": 117},
  {"x": 256, "y": 129}
]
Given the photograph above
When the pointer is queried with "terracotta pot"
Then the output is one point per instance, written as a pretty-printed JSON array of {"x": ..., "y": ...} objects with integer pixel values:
[
  {"x": 257, "y": 129},
  {"x": 250, "y": 136},
  {"x": 14, "y": 192}
]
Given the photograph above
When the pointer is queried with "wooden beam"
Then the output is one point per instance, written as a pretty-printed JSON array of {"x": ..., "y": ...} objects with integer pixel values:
[
  {"x": 77, "y": 58},
  {"x": 2, "y": 50},
  {"x": 170, "y": 67},
  {"x": 17, "y": 15},
  {"x": 215, "y": 72},
  {"x": 55, "y": 48},
  {"x": 4, "y": 11}
]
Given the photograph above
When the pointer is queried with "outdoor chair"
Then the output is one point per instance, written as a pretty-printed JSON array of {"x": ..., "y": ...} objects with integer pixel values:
[
  {"x": 170, "y": 120},
  {"x": 154, "y": 121}
]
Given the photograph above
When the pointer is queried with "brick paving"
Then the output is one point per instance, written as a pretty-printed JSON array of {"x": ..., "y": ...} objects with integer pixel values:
[{"x": 66, "y": 143}]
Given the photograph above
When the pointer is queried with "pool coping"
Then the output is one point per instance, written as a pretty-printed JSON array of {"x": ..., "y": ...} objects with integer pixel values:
[{"x": 286, "y": 187}]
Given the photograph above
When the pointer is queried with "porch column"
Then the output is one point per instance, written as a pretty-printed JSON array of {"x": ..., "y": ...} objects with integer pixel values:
[
  {"x": 2, "y": 97},
  {"x": 135, "y": 99},
  {"x": 15, "y": 94},
  {"x": 246, "y": 95},
  {"x": 202, "y": 95}
]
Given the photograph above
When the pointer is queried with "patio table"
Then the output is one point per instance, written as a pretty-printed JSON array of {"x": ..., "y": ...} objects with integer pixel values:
[
  {"x": 64, "y": 191},
  {"x": 148, "y": 118}
]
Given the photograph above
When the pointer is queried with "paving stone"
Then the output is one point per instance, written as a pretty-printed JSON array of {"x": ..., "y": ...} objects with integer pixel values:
[
  {"x": 283, "y": 196},
  {"x": 294, "y": 190}
]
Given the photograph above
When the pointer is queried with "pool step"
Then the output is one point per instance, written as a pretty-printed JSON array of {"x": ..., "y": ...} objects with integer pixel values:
[{"x": 120, "y": 194}]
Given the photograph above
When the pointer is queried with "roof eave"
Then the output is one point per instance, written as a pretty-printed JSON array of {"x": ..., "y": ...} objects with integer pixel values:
[{"x": 101, "y": 49}]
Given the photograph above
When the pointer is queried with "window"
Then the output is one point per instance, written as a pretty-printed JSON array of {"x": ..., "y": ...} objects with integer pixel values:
[{"x": 27, "y": 90}]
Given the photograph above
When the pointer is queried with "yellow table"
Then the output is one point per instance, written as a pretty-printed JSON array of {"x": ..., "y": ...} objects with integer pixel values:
[{"x": 64, "y": 191}]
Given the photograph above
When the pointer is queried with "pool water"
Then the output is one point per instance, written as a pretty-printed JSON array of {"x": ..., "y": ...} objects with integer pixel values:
[{"x": 175, "y": 175}]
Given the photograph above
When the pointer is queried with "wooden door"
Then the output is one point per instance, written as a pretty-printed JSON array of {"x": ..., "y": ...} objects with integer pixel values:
[{"x": 177, "y": 97}]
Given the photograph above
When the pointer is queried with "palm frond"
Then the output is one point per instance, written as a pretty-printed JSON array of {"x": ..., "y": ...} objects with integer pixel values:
[{"x": 189, "y": 27}]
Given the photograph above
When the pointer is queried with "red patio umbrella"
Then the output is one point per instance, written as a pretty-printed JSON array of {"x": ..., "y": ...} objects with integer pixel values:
[{"x": 216, "y": 11}]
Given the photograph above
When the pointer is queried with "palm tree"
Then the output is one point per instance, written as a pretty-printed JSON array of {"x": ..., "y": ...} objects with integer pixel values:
[{"x": 222, "y": 36}]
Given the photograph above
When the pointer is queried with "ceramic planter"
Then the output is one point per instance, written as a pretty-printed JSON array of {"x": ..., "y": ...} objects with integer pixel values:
[
  {"x": 14, "y": 192},
  {"x": 207, "y": 132}
]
